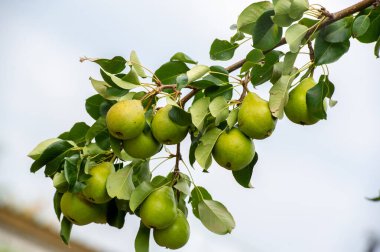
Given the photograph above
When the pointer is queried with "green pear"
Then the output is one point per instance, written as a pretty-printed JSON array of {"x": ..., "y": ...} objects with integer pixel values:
[
  {"x": 176, "y": 235},
  {"x": 165, "y": 130},
  {"x": 159, "y": 210},
  {"x": 80, "y": 211},
  {"x": 296, "y": 108},
  {"x": 143, "y": 146},
  {"x": 126, "y": 119},
  {"x": 255, "y": 118},
  {"x": 233, "y": 150},
  {"x": 95, "y": 190}
]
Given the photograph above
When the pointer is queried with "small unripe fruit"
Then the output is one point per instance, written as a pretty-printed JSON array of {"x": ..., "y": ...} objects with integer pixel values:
[
  {"x": 165, "y": 130},
  {"x": 126, "y": 119},
  {"x": 95, "y": 190},
  {"x": 176, "y": 235},
  {"x": 233, "y": 150}
]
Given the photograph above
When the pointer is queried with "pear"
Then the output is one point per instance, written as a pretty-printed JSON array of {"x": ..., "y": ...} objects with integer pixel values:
[
  {"x": 126, "y": 119},
  {"x": 143, "y": 146},
  {"x": 176, "y": 235},
  {"x": 159, "y": 210},
  {"x": 81, "y": 212},
  {"x": 296, "y": 108},
  {"x": 95, "y": 190},
  {"x": 233, "y": 150},
  {"x": 255, "y": 118},
  {"x": 165, "y": 130}
]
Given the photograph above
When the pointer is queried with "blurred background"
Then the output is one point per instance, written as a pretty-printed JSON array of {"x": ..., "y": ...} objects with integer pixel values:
[{"x": 310, "y": 184}]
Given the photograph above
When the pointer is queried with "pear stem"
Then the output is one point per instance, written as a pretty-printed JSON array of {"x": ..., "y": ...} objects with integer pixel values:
[{"x": 178, "y": 158}]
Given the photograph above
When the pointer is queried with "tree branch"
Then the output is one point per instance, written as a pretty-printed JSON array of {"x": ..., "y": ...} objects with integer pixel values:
[{"x": 334, "y": 17}]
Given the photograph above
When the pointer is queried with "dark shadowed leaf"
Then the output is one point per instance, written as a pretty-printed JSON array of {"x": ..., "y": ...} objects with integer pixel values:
[
  {"x": 180, "y": 116},
  {"x": 197, "y": 195},
  {"x": 57, "y": 204},
  {"x": 140, "y": 194},
  {"x": 169, "y": 71},
  {"x": 243, "y": 177},
  {"x": 114, "y": 65},
  {"x": 66, "y": 226},
  {"x": 266, "y": 34},
  {"x": 326, "y": 52},
  {"x": 142, "y": 239}
]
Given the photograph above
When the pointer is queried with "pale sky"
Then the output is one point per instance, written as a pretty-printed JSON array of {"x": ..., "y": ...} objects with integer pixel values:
[{"x": 310, "y": 182}]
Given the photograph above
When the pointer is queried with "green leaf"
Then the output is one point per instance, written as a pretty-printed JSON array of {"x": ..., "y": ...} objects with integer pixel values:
[
  {"x": 136, "y": 64},
  {"x": 41, "y": 147},
  {"x": 78, "y": 132},
  {"x": 218, "y": 75},
  {"x": 243, "y": 176},
  {"x": 232, "y": 118},
  {"x": 120, "y": 184},
  {"x": 117, "y": 147},
  {"x": 215, "y": 217},
  {"x": 297, "y": 8},
  {"x": 115, "y": 216},
  {"x": 308, "y": 22},
  {"x": 255, "y": 56},
  {"x": 373, "y": 32},
  {"x": 360, "y": 25},
  {"x": 282, "y": 9},
  {"x": 56, "y": 164},
  {"x": 139, "y": 195},
  {"x": 374, "y": 199},
  {"x": 57, "y": 204},
  {"x": 337, "y": 32},
  {"x": 98, "y": 127},
  {"x": 93, "y": 105},
  {"x": 182, "y": 81},
  {"x": 294, "y": 36},
  {"x": 180, "y": 116},
  {"x": 103, "y": 140},
  {"x": 215, "y": 91},
  {"x": 197, "y": 72},
  {"x": 199, "y": 111},
  {"x": 180, "y": 56},
  {"x": 219, "y": 109},
  {"x": 66, "y": 226},
  {"x": 247, "y": 19},
  {"x": 262, "y": 73},
  {"x": 197, "y": 195},
  {"x": 114, "y": 65},
  {"x": 222, "y": 49},
  {"x": 52, "y": 151},
  {"x": 183, "y": 184},
  {"x": 71, "y": 169},
  {"x": 279, "y": 96},
  {"x": 204, "y": 149},
  {"x": 142, "y": 239},
  {"x": 326, "y": 52},
  {"x": 315, "y": 98},
  {"x": 141, "y": 172},
  {"x": 101, "y": 87},
  {"x": 169, "y": 71},
  {"x": 288, "y": 65},
  {"x": 121, "y": 83},
  {"x": 237, "y": 37},
  {"x": 377, "y": 48},
  {"x": 159, "y": 181},
  {"x": 266, "y": 34},
  {"x": 131, "y": 77}
]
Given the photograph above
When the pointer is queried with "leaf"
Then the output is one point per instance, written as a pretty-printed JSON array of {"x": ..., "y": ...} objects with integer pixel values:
[
  {"x": 266, "y": 35},
  {"x": 135, "y": 62},
  {"x": 114, "y": 65},
  {"x": 326, "y": 52},
  {"x": 247, "y": 19},
  {"x": 222, "y": 49},
  {"x": 255, "y": 56},
  {"x": 118, "y": 150},
  {"x": 297, "y": 8},
  {"x": 121, "y": 83},
  {"x": 204, "y": 149},
  {"x": 168, "y": 72},
  {"x": 215, "y": 217},
  {"x": 215, "y": 91},
  {"x": 141, "y": 172},
  {"x": 337, "y": 32},
  {"x": 98, "y": 127},
  {"x": 197, "y": 72},
  {"x": 180, "y": 116},
  {"x": 243, "y": 176},
  {"x": 78, "y": 132},
  {"x": 139, "y": 195},
  {"x": 237, "y": 37},
  {"x": 279, "y": 96},
  {"x": 101, "y": 87},
  {"x": 94, "y": 104},
  {"x": 52, "y": 151},
  {"x": 182, "y": 81},
  {"x": 71, "y": 169},
  {"x": 282, "y": 9},
  {"x": 219, "y": 109},
  {"x": 294, "y": 36},
  {"x": 308, "y": 22},
  {"x": 199, "y": 111},
  {"x": 41, "y": 147},
  {"x": 142, "y": 239},
  {"x": 232, "y": 118},
  {"x": 373, "y": 32},
  {"x": 197, "y": 195},
  {"x": 115, "y": 216},
  {"x": 316, "y": 95},
  {"x": 377, "y": 48},
  {"x": 180, "y": 56},
  {"x": 288, "y": 65},
  {"x": 66, "y": 226},
  {"x": 131, "y": 77},
  {"x": 262, "y": 73},
  {"x": 374, "y": 199},
  {"x": 57, "y": 204},
  {"x": 360, "y": 25},
  {"x": 120, "y": 184}
]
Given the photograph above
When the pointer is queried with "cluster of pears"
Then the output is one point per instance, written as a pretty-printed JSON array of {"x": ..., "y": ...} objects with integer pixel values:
[
  {"x": 234, "y": 149},
  {"x": 89, "y": 205},
  {"x": 159, "y": 211},
  {"x": 126, "y": 121}
]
